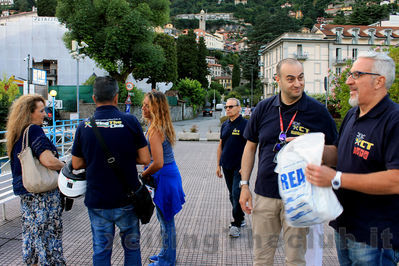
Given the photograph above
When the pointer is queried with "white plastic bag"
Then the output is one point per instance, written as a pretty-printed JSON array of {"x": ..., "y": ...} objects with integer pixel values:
[{"x": 305, "y": 204}]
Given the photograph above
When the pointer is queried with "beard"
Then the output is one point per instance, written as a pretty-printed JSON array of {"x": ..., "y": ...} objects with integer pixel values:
[{"x": 354, "y": 101}]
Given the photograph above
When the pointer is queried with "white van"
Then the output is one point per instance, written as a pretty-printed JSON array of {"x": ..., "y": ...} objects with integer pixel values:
[{"x": 219, "y": 107}]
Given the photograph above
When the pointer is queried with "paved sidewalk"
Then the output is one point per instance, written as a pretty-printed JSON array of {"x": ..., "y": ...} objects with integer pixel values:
[{"x": 202, "y": 225}]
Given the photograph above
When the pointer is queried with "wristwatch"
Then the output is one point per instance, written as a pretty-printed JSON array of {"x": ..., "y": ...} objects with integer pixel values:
[
  {"x": 244, "y": 182},
  {"x": 336, "y": 181}
]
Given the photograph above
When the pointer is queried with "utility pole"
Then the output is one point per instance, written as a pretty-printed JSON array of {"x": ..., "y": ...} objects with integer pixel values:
[{"x": 28, "y": 71}]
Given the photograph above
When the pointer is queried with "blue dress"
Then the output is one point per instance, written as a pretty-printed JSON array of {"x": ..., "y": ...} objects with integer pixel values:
[{"x": 169, "y": 195}]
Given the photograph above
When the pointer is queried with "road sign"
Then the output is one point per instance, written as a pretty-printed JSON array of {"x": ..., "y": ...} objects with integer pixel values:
[
  {"x": 129, "y": 86},
  {"x": 57, "y": 104}
]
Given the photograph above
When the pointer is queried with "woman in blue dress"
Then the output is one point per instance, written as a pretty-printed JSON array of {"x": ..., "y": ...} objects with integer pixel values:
[
  {"x": 169, "y": 195},
  {"x": 41, "y": 212}
]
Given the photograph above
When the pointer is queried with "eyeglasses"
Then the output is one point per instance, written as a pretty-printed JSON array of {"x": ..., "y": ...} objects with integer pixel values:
[
  {"x": 229, "y": 106},
  {"x": 279, "y": 145},
  {"x": 357, "y": 74}
]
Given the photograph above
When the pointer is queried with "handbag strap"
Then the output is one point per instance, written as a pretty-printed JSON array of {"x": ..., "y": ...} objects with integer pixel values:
[
  {"x": 25, "y": 138},
  {"x": 111, "y": 161}
]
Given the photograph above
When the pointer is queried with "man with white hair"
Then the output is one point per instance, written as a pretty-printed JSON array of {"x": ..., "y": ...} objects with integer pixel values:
[{"x": 366, "y": 157}]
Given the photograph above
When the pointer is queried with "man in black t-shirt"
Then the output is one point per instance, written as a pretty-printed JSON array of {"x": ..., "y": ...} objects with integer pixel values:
[
  {"x": 229, "y": 153},
  {"x": 367, "y": 167},
  {"x": 106, "y": 199},
  {"x": 289, "y": 114}
]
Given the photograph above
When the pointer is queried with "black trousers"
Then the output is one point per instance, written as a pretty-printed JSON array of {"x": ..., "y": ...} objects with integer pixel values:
[{"x": 233, "y": 178}]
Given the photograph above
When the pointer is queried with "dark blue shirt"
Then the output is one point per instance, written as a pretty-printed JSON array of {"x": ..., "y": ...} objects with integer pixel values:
[
  {"x": 369, "y": 144},
  {"x": 233, "y": 142},
  {"x": 264, "y": 128},
  {"x": 38, "y": 143},
  {"x": 124, "y": 136}
]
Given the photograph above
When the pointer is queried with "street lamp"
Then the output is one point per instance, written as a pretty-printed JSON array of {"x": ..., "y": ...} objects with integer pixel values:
[
  {"x": 53, "y": 93},
  {"x": 76, "y": 48}
]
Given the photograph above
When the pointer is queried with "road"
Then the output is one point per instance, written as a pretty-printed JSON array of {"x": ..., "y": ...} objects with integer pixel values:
[{"x": 204, "y": 124}]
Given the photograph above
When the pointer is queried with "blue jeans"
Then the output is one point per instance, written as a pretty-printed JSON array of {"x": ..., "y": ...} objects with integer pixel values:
[
  {"x": 233, "y": 178},
  {"x": 103, "y": 223},
  {"x": 167, "y": 255},
  {"x": 351, "y": 252}
]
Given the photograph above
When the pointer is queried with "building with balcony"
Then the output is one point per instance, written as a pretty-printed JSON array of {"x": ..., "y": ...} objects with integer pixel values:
[{"x": 326, "y": 47}]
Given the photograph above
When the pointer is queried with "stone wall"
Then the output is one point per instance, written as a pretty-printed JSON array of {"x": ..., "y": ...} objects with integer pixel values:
[{"x": 176, "y": 112}]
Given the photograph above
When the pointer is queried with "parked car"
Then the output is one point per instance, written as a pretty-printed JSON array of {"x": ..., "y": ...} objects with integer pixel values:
[
  {"x": 48, "y": 119},
  {"x": 207, "y": 112}
]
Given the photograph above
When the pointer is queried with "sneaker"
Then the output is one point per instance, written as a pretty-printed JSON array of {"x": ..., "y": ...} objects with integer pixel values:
[
  {"x": 243, "y": 223},
  {"x": 234, "y": 231},
  {"x": 153, "y": 258}
]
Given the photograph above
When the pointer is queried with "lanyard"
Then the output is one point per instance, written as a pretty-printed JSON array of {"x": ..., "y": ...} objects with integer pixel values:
[{"x": 281, "y": 121}]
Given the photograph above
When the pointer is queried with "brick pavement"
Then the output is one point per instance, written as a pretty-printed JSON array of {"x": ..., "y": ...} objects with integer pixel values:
[{"x": 202, "y": 225}]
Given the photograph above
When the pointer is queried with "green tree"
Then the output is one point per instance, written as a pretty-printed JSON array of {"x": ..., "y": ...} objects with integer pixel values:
[
  {"x": 340, "y": 19},
  {"x": 46, "y": 8},
  {"x": 164, "y": 69},
  {"x": 8, "y": 92},
  {"x": 217, "y": 86},
  {"x": 192, "y": 90},
  {"x": 236, "y": 75},
  {"x": 202, "y": 66},
  {"x": 187, "y": 56},
  {"x": 234, "y": 94},
  {"x": 23, "y": 5},
  {"x": 210, "y": 94},
  {"x": 394, "y": 90},
  {"x": 118, "y": 33}
]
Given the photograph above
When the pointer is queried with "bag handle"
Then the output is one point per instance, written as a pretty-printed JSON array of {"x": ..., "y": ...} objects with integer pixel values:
[{"x": 25, "y": 138}]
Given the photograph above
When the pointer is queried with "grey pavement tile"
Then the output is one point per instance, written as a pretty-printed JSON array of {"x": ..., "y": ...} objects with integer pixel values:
[{"x": 202, "y": 225}]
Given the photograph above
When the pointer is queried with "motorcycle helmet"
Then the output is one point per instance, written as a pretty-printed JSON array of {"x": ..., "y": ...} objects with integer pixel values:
[{"x": 72, "y": 183}]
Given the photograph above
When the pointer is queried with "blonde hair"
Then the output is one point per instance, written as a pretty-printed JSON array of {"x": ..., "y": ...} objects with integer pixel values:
[
  {"x": 160, "y": 116},
  {"x": 19, "y": 117}
]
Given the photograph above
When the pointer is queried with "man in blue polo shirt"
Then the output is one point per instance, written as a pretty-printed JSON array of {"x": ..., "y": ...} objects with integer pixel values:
[
  {"x": 289, "y": 114},
  {"x": 105, "y": 198},
  {"x": 367, "y": 162},
  {"x": 229, "y": 153}
]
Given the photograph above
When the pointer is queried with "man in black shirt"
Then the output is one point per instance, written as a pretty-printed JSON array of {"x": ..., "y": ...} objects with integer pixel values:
[
  {"x": 289, "y": 114},
  {"x": 229, "y": 153}
]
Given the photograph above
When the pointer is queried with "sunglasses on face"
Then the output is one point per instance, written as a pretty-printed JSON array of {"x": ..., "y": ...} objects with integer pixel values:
[
  {"x": 358, "y": 74},
  {"x": 229, "y": 106},
  {"x": 279, "y": 145}
]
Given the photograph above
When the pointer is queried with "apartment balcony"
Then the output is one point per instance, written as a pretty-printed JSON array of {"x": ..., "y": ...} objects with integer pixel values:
[
  {"x": 51, "y": 72},
  {"x": 301, "y": 56},
  {"x": 339, "y": 61}
]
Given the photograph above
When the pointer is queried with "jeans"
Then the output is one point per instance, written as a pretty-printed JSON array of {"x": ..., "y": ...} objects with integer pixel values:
[
  {"x": 233, "y": 178},
  {"x": 103, "y": 223},
  {"x": 351, "y": 252},
  {"x": 167, "y": 255}
]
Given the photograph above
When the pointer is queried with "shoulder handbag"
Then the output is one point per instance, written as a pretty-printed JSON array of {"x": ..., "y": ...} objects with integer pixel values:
[
  {"x": 36, "y": 178},
  {"x": 141, "y": 198}
]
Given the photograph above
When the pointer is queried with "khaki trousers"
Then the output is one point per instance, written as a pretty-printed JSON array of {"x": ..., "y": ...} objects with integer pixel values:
[{"x": 267, "y": 221}]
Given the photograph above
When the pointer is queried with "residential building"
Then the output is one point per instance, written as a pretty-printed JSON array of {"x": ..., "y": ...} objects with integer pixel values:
[
  {"x": 212, "y": 42},
  {"x": 26, "y": 34},
  {"x": 209, "y": 16},
  {"x": 6, "y": 2},
  {"x": 326, "y": 48},
  {"x": 226, "y": 81},
  {"x": 244, "y": 2}
]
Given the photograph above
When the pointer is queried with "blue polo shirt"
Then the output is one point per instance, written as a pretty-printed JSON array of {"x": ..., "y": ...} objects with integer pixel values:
[
  {"x": 233, "y": 142},
  {"x": 264, "y": 128},
  {"x": 369, "y": 144},
  {"x": 124, "y": 136}
]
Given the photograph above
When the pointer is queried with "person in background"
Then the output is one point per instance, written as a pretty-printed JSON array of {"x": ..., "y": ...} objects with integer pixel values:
[
  {"x": 367, "y": 167},
  {"x": 41, "y": 212},
  {"x": 169, "y": 195},
  {"x": 229, "y": 153},
  {"x": 290, "y": 113},
  {"x": 106, "y": 199}
]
